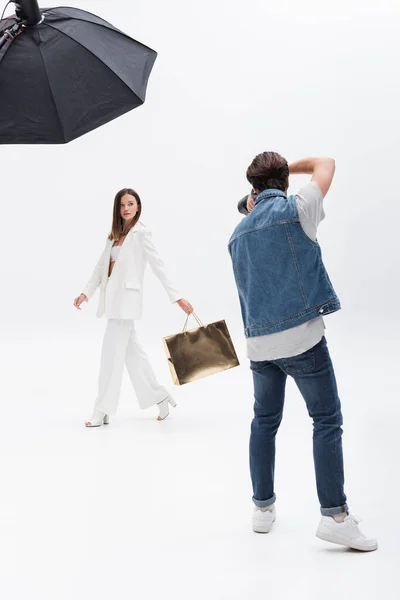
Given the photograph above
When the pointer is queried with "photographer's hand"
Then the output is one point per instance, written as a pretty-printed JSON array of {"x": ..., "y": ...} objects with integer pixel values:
[{"x": 250, "y": 203}]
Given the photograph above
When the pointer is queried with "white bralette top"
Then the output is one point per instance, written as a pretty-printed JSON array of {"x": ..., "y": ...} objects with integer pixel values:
[{"x": 115, "y": 252}]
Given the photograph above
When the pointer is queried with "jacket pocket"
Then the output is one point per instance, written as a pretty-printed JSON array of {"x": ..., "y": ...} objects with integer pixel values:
[{"x": 132, "y": 284}]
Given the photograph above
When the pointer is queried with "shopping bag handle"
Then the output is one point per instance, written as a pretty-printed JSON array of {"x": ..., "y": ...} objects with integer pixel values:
[{"x": 187, "y": 319}]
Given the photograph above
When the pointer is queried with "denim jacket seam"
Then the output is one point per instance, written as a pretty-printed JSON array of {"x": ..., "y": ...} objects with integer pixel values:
[
  {"x": 288, "y": 320},
  {"x": 284, "y": 222},
  {"x": 292, "y": 248}
]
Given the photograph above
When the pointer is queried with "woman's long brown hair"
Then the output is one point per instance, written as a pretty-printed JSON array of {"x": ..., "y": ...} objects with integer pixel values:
[{"x": 118, "y": 222}]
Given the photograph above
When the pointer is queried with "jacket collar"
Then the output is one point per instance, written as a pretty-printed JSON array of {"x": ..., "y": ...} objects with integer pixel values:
[{"x": 271, "y": 193}]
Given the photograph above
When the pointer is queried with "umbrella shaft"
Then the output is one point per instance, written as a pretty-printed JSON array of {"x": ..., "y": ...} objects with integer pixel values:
[
  {"x": 3, "y": 40},
  {"x": 28, "y": 10}
]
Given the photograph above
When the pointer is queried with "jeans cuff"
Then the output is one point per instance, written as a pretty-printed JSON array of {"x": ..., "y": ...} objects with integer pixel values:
[
  {"x": 264, "y": 503},
  {"x": 336, "y": 510}
]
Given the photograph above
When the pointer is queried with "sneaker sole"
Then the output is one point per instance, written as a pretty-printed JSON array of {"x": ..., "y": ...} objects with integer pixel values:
[
  {"x": 330, "y": 538},
  {"x": 263, "y": 528}
]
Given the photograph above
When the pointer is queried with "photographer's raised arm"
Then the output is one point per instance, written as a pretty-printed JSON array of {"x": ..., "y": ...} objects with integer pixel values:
[{"x": 321, "y": 169}]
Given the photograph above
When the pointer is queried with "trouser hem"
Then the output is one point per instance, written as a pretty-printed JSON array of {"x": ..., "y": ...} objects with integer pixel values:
[
  {"x": 166, "y": 398},
  {"x": 264, "y": 503},
  {"x": 336, "y": 510}
]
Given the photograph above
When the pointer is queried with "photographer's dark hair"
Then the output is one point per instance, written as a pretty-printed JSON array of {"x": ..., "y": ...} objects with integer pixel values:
[
  {"x": 269, "y": 170},
  {"x": 118, "y": 222}
]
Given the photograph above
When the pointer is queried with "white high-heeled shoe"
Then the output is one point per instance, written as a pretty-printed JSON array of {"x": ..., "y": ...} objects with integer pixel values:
[
  {"x": 163, "y": 407},
  {"x": 98, "y": 418}
]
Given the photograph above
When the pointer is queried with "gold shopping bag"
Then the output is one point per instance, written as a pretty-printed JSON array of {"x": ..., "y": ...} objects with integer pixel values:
[{"x": 199, "y": 352}]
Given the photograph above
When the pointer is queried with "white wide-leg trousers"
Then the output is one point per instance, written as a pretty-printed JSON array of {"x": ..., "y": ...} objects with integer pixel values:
[{"x": 121, "y": 346}]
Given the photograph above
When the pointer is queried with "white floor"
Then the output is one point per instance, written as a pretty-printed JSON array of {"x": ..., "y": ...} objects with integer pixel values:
[{"x": 142, "y": 509}]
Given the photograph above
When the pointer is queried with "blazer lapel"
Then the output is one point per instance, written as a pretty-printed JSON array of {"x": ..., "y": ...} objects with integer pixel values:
[{"x": 124, "y": 252}]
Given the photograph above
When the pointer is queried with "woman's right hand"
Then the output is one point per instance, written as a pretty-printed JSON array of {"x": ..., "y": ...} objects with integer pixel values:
[
  {"x": 78, "y": 301},
  {"x": 185, "y": 306}
]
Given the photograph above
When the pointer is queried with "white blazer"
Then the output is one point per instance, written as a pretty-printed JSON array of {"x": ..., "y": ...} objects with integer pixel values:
[{"x": 121, "y": 294}]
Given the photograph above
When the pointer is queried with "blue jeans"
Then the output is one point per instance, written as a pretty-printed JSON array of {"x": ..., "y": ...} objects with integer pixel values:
[{"x": 314, "y": 376}]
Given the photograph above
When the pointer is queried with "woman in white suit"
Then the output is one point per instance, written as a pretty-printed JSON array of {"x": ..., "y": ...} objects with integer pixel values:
[{"x": 120, "y": 273}]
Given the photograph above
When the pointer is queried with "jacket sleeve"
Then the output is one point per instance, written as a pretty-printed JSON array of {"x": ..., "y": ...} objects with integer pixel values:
[
  {"x": 95, "y": 279},
  {"x": 242, "y": 206},
  {"x": 157, "y": 265}
]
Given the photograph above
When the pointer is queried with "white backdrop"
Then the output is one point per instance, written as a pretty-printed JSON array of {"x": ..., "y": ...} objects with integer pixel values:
[{"x": 233, "y": 78}]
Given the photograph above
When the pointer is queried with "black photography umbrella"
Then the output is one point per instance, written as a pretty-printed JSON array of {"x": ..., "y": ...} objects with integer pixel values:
[{"x": 64, "y": 72}]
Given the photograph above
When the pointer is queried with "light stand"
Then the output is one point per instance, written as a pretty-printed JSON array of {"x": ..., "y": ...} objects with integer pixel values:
[
  {"x": 29, "y": 11},
  {"x": 28, "y": 14}
]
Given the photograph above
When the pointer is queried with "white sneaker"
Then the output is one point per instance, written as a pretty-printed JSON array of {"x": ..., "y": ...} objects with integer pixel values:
[
  {"x": 346, "y": 533},
  {"x": 263, "y": 519}
]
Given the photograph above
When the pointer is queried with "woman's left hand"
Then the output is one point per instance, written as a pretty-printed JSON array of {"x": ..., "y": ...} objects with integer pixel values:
[{"x": 185, "y": 306}]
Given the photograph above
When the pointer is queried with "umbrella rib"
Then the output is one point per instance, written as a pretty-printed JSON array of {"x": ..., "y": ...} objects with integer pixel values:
[
  {"x": 52, "y": 95},
  {"x": 111, "y": 28},
  {"x": 93, "y": 54}
]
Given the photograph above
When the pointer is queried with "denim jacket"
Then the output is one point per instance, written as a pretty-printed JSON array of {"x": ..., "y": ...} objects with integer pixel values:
[{"x": 278, "y": 269}]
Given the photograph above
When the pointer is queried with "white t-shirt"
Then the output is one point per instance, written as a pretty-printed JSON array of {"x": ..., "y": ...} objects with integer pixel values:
[{"x": 295, "y": 340}]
